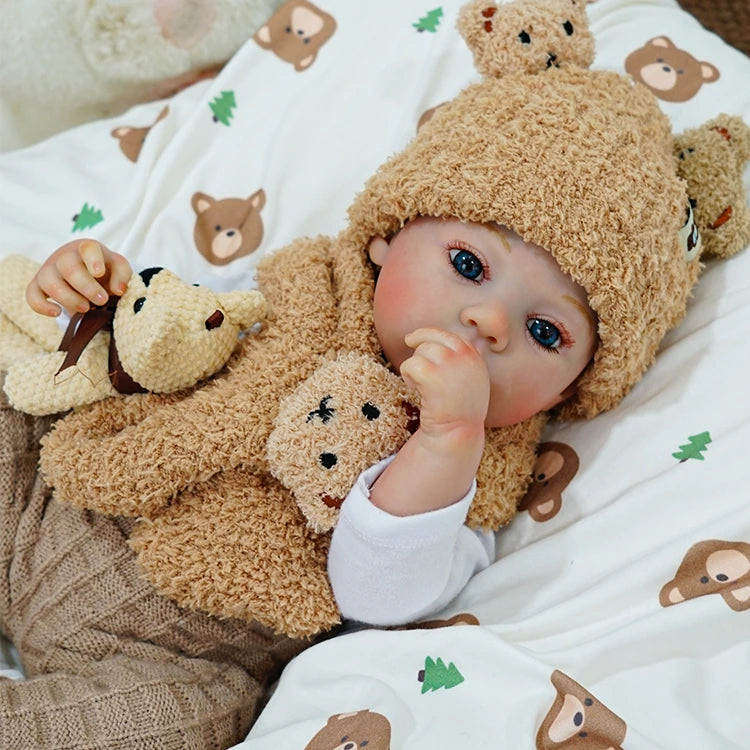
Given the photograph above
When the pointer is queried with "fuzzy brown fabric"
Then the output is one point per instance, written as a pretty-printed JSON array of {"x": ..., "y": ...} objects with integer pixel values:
[
  {"x": 711, "y": 159},
  {"x": 110, "y": 663}
]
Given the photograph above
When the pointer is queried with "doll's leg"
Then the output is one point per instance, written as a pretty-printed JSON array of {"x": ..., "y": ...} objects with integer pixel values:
[
  {"x": 20, "y": 484},
  {"x": 123, "y": 703},
  {"x": 111, "y": 663}
]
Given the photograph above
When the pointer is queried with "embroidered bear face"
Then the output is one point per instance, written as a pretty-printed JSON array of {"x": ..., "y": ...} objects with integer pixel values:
[
  {"x": 578, "y": 721},
  {"x": 712, "y": 567},
  {"x": 296, "y": 32},
  {"x": 229, "y": 228},
  {"x": 353, "y": 731},
  {"x": 347, "y": 416}
]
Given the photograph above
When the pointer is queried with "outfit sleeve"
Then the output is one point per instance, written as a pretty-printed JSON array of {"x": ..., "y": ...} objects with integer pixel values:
[{"x": 391, "y": 570}]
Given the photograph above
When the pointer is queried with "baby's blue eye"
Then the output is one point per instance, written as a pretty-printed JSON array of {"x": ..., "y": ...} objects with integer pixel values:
[
  {"x": 544, "y": 333},
  {"x": 467, "y": 264}
]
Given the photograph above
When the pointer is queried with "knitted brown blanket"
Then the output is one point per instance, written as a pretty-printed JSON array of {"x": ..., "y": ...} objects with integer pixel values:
[
  {"x": 128, "y": 669},
  {"x": 730, "y": 19}
]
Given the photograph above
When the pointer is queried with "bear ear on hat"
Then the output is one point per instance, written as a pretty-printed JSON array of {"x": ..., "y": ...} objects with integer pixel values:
[{"x": 526, "y": 36}]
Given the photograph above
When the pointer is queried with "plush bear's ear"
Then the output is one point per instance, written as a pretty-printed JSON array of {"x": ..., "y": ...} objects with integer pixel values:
[
  {"x": 734, "y": 130},
  {"x": 244, "y": 308}
]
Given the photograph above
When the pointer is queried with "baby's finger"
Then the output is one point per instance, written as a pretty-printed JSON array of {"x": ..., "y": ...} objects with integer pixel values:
[
  {"x": 82, "y": 282},
  {"x": 50, "y": 283},
  {"x": 120, "y": 273},
  {"x": 434, "y": 336},
  {"x": 92, "y": 255},
  {"x": 38, "y": 301}
]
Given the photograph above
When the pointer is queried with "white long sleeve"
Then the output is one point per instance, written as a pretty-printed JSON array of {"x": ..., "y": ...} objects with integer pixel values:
[{"x": 390, "y": 570}]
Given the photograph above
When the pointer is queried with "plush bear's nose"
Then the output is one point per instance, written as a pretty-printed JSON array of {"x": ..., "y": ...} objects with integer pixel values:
[{"x": 214, "y": 320}]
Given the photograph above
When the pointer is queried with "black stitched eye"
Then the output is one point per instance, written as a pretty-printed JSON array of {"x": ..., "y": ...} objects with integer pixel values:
[
  {"x": 524, "y": 38},
  {"x": 138, "y": 304},
  {"x": 568, "y": 26},
  {"x": 217, "y": 228},
  {"x": 370, "y": 411},
  {"x": 328, "y": 460},
  {"x": 324, "y": 412}
]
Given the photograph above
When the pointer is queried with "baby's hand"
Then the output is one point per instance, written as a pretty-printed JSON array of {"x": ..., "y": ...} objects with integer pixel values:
[
  {"x": 76, "y": 275},
  {"x": 452, "y": 380}
]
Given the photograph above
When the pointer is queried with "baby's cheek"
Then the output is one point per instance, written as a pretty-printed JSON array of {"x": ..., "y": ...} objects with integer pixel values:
[{"x": 512, "y": 403}]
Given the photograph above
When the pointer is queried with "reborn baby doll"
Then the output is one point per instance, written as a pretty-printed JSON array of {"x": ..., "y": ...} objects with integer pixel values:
[{"x": 577, "y": 162}]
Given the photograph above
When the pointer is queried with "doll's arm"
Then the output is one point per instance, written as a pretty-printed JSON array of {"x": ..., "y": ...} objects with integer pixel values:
[
  {"x": 391, "y": 570},
  {"x": 437, "y": 465}
]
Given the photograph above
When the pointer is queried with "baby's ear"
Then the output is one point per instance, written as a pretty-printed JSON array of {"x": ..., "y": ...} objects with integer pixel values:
[{"x": 378, "y": 250}]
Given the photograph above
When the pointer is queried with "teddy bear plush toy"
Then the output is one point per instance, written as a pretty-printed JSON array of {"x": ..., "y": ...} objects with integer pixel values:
[
  {"x": 711, "y": 159},
  {"x": 198, "y": 496},
  {"x": 162, "y": 335}
]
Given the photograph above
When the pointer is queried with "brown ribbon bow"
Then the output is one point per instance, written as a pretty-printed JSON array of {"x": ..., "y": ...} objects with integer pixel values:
[{"x": 81, "y": 329}]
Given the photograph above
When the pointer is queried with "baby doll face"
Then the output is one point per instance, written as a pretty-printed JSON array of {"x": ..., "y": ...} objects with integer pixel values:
[{"x": 508, "y": 298}]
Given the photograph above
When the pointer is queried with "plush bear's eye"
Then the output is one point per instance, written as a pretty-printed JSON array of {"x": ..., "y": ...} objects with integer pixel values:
[
  {"x": 524, "y": 38},
  {"x": 324, "y": 412},
  {"x": 214, "y": 320},
  {"x": 328, "y": 460},
  {"x": 138, "y": 304},
  {"x": 370, "y": 411},
  {"x": 218, "y": 227},
  {"x": 568, "y": 26}
]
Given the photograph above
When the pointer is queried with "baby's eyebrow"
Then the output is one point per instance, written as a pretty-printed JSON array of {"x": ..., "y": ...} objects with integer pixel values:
[
  {"x": 585, "y": 311},
  {"x": 499, "y": 231}
]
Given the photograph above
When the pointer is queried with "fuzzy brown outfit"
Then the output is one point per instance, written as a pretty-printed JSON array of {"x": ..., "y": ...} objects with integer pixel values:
[{"x": 579, "y": 162}]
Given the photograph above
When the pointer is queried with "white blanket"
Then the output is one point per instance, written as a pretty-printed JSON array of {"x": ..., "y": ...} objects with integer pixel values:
[{"x": 661, "y": 480}]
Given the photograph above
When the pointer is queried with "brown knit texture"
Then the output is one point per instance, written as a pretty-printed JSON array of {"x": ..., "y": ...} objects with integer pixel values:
[
  {"x": 730, "y": 19},
  {"x": 110, "y": 663}
]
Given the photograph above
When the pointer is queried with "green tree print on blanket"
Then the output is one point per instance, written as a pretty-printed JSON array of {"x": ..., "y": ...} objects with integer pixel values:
[
  {"x": 86, "y": 218},
  {"x": 223, "y": 107},
  {"x": 429, "y": 22},
  {"x": 436, "y": 675},
  {"x": 694, "y": 449}
]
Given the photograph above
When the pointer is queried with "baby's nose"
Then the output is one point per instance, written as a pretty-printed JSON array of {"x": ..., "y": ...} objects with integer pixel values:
[{"x": 490, "y": 320}]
